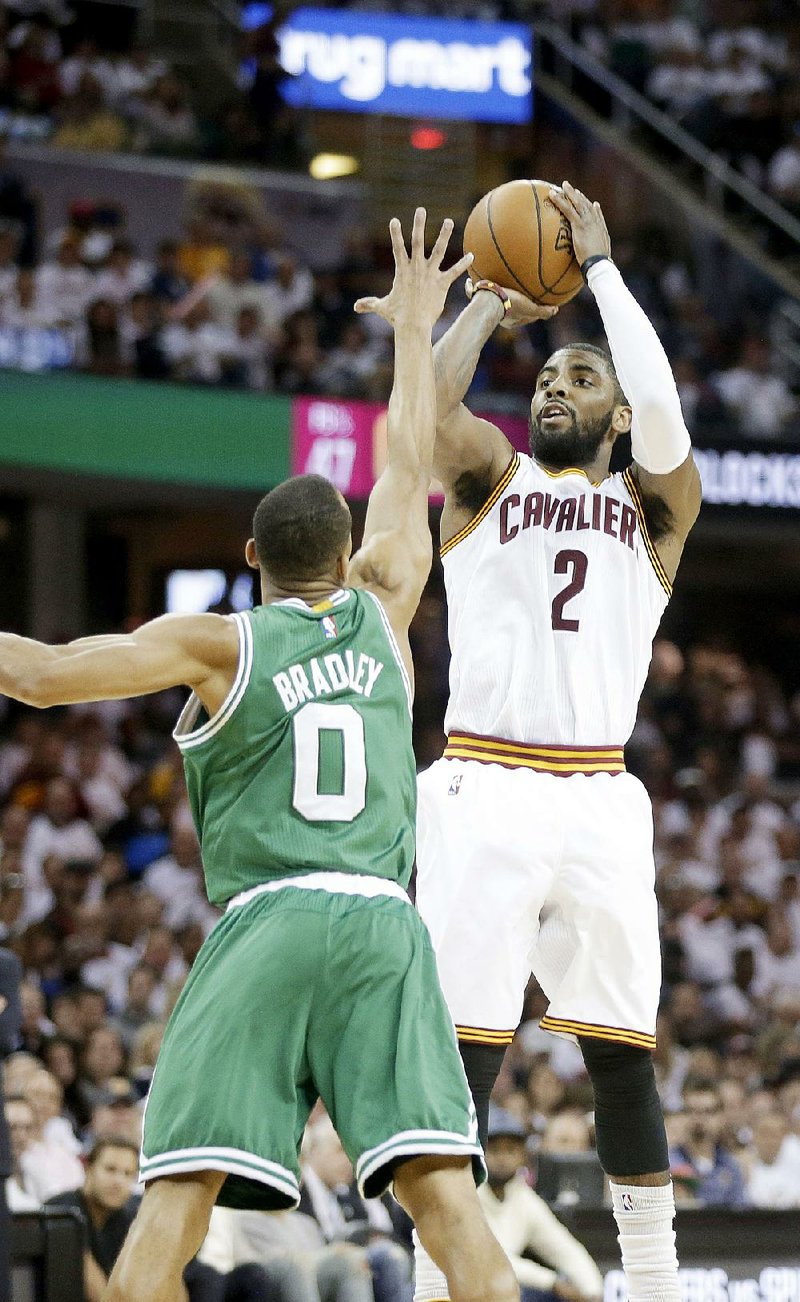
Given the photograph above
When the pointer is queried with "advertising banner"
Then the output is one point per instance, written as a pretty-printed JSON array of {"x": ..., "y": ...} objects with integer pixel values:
[{"x": 404, "y": 65}]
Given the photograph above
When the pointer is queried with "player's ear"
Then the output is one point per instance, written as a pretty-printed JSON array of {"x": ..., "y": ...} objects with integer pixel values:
[
  {"x": 621, "y": 420},
  {"x": 250, "y": 554}
]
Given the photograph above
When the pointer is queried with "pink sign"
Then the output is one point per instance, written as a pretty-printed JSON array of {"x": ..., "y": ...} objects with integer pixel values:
[{"x": 346, "y": 441}]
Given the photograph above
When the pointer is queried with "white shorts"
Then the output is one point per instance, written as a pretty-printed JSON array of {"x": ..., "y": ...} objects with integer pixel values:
[{"x": 520, "y": 872}]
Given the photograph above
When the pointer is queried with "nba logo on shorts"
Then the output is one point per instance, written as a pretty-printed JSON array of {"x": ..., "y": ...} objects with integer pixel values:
[
  {"x": 328, "y": 626},
  {"x": 627, "y": 1202},
  {"x": 455, "y": 785}
]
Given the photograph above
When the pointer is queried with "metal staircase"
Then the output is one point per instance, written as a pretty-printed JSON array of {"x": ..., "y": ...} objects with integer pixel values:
[{"x": 712, "y": 193}]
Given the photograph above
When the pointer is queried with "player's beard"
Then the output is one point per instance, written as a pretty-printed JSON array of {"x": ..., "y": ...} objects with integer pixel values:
[{"x": 576, "y": 446}]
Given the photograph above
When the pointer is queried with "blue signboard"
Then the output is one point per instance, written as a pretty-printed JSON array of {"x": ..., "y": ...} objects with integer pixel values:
[{"x": 409, "y": 67}]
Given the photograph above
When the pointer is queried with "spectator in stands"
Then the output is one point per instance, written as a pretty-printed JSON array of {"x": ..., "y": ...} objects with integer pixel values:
[
  {"x": 719, "y": 1178},
  {"x": 123, "y": 274},
  {"x": 49, "y": 1162},
  {"x": 252, "y": 351},
  {"x": 234, "y": 289},
  {"x": 58, "y": 830},
  {"x": 761, "y": 401},
  {"x": 20, "y": 1122},
  {"x": 545, "y": 1095},
  {"x": 567, "y": 1131},
  {"x": 350, "y": 366},
  {"x": 525, "y": 1226},
  {"x": 177, "y": 879},
  {"x": 163, "y": 119},
  {"x": 35, "y": 51},
  {"x": 140, "y": 1007},
  {"x": 168, "y": 284},
  {"x": 86, "y": 58},
  {"x": 137, "y": 73},
  {"x": 331, "y": 1196},
  {"x": 87, "y": 122},
  {"x": 23, "y": 309},
  {"x": 64, "y": 287},
  {"x": 292, "y": 1260},
  {"x": 682, "y": 83},
  {"x": 198, "y": 350},
  {"x": 103, "y": 347},
  {"x": 107, "y": 1206},
  {"x": 777, "y": 963},
  {"x": 36, "y": 1028},
  {"x": 299, "y": 359},
  {"x": 773, "y": 1178},
  {"x": 201, "y": 253},
  {"x": 292, "y": 290},
  {"x": 103, "y": 1058},
  {"x": 142, "y": 344}
]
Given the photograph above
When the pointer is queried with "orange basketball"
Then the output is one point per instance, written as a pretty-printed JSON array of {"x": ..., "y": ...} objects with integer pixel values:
[{"x": 520, "y": 240}]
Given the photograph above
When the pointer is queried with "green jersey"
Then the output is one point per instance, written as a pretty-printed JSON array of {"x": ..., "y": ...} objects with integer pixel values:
[{"x": 308, "y": 765}]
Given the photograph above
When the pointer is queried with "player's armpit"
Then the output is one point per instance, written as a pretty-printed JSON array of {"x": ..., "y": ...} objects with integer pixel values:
[
  {"x": 470, "y": 456},
  {"x": 200, "y": 651},
  {"x": 467, "y": 444},
  {"x": 671, "y": 504}
]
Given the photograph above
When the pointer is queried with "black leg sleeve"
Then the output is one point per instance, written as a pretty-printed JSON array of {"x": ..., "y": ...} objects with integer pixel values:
[
  {"x": 482, "y": 1063},
  {"x": 629, "y": 1122}
]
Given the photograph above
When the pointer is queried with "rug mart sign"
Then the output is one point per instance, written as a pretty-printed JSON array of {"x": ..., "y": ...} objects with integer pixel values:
[{"x": 409, "y": 67}]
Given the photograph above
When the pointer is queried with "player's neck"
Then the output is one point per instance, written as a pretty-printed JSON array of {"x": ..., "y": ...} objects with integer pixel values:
[
  {"x": 312, "y": 592},
  {"x": 595, "y": 471}
]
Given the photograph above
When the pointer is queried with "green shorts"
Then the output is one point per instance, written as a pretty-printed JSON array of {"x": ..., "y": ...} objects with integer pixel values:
[{"x": 299, "y": 994}]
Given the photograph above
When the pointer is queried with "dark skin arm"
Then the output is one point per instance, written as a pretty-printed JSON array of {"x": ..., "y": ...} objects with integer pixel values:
[{"x": 395, "y": 557}]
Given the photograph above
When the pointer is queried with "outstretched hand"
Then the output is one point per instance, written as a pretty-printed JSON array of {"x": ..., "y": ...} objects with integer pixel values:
[
  {"x": 419, "y": 290},
  {"x": 588, "y": 225}
]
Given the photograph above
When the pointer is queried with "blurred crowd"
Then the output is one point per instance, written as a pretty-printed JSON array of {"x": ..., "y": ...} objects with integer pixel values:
[
  {"x": 250, "y": 313},
  {"x": 75, "y": 73},
  {"x": 727, "y": 70},
  {"x": 101, "y": 895}
]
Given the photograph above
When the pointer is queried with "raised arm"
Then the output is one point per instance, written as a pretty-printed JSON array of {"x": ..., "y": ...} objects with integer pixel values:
[
  {"x": 395, "y": 557},
  {"x": 471, "y": 454},
  {"x": 198, "y": 651},
  {"x": 663, "y": 463}
]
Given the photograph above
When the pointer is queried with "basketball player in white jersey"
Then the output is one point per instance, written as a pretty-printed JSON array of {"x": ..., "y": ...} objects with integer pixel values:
[{"x": 534, "y": 844}]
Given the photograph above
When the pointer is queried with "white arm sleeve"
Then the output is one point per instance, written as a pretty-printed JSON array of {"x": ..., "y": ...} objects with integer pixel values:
[{"x": 659, "y": 438}]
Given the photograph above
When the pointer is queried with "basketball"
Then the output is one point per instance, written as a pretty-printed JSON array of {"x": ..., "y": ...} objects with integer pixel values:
[{"x": 521, "y": 241}]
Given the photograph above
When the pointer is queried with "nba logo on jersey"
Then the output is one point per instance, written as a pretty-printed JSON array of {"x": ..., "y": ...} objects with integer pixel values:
[
  {"x": 328, "y": 626},
  {"x": 455, "y": 785}
]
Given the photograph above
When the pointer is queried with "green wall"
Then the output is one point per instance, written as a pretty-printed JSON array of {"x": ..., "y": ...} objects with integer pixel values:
[{"x": 136, "y": 430}]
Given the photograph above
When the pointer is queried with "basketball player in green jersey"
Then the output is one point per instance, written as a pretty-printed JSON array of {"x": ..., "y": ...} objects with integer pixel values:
[{"x": 319, "y": 980}]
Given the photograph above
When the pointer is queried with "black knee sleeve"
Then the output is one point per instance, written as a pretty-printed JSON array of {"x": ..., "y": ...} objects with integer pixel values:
[
  {"x": 482, "y": 1064},
  {"x": 629, "y": 1123}
]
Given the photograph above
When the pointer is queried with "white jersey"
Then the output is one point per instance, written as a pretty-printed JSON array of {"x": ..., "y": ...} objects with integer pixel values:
[{"x": 554, "y": 594}]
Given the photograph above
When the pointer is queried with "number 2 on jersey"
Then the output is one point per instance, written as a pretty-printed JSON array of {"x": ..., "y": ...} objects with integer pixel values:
[
  {"x": 323, "y": 806},
  {"x": 567, "y": 562}
]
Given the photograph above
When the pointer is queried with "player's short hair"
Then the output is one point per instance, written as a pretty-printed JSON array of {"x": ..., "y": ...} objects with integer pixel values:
[
  {"x": 300, "y": 529},
  {"x": 608, "y": 367}
]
